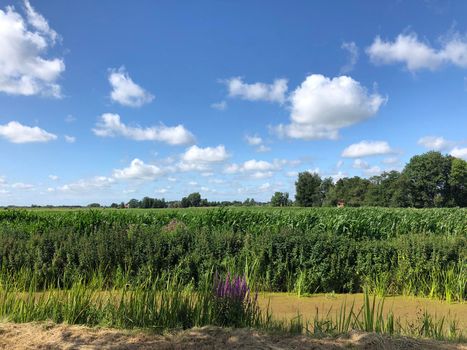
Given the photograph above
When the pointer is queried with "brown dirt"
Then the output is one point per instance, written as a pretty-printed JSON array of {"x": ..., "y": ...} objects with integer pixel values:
[
  {"x": 287, "y": 306},
  {"x": 52, "y": 337}
]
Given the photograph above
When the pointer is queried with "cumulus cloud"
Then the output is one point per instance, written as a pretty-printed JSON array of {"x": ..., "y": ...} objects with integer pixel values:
[
  {"x": 367, "y": 148},
  {"x": 110, "y": 126},
  {"x": 253, "y": 140},
  {"x": 17, "y": 133},
  {"x": 199, "y": 159},
  {"x": 352, "y": 49},
  {"x": 88, "y": 185},
  {"x": 138, "y": 170},
  {"x": 274, "y": 92},
  {"x": 415, "y": 54},
  {"x": 321, "y": 106},
  {"x": 435, "y": 143},
  {"x": 24, "y": 42},
  {"x": 373, "y": 170},
  {"x": 53, "y": 177},
  {"x": 125, "y": 91},
  {"x": 459, "y": 152},
  {"x": 22, "y": 186},
  {"x": 258, "y": 169}
]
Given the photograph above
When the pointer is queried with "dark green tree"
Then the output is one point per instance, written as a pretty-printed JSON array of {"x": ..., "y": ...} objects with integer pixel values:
[
  {"x": 352, "y": 190},
  {"x": 134, "y": 203},
  {"x": 192, "y": 200},
  {"x": 426, "y": 180},
  {"x": 308, "y": 190},
  {"x": 458, "y": 182},
  {"x": 280, "y": 199}
]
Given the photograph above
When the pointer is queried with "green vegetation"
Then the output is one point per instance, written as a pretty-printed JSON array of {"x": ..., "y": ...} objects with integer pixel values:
[
  {"x": 396, "y": 251},
  {"x": 428, "y": 180}
]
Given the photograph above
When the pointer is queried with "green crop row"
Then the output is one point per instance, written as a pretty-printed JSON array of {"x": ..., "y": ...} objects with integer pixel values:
[{"x": 397, "y": 251}]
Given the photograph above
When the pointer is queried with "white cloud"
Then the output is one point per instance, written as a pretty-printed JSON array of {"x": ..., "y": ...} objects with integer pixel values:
[
  {"x": 161, "y": 190},
  {"x": 23, "y": 45},
  {"x": 199, "y": 159},
  {"x": 253, "y": 140},
  {"x": 22, "y": 186},
  {"x": 220, "y": 106},
  {"x": 360, "y": 164},
  {"x": 274, "y": 92},
  {"x": 367, "y": 148},
  {"x": 374, "y": 170},
  {"x": 207, "y": 154},
  {"x": 459, "y": 152},
  {"x": 85, "y": 185},
  {"x": 265, "y": 187},
  {"x": 110, "y": 126},
  {"x": 415, "y": 54},
  {"x": 125, "y": 91},
  {"x": 70, "y": 139},
  {"x": 257, "y": 165},
  {"x": 321, "y": 106},
  {"x": 261, "y": 174},
  {"x": 17, "y": 133},
  {"x": 258, "y": 169},
  {"x": 435, "y": 143},
  {"x": 352, "y": 49},
  {"x": 172, "y": 179},
  {"x": 138, "y": 170},
  {"x": 53, "y": 177}
]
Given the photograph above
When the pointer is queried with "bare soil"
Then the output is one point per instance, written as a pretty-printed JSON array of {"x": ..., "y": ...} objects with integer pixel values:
[{"x": 52, "y": 337}]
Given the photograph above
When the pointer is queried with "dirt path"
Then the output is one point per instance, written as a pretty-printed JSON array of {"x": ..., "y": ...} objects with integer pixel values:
[{"x": 48, "y": 336}]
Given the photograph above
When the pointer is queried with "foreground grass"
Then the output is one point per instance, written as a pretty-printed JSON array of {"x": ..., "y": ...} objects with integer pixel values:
[{"x": 148, "y": 306}]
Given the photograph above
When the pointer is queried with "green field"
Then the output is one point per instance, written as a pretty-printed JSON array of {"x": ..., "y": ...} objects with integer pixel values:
[{"x": 152, "y": 257}]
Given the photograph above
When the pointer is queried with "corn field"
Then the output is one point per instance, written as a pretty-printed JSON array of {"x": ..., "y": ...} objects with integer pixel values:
[{"x": 388, "y": 251}]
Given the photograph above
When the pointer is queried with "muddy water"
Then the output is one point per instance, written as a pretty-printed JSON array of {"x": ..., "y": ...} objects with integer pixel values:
[{"x": 408, "y": 309}]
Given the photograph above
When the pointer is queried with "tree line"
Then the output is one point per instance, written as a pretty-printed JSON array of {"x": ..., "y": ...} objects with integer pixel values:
[{"x": 428, "y": 180}]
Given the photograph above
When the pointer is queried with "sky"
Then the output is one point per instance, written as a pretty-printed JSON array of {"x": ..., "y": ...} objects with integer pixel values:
[{"x": 104, "y": 101}]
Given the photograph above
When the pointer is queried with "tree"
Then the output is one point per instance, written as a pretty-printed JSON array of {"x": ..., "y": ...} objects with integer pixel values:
[
  {"x": 426, "y": 178},
  {"x": 351, "y": 190},
  {"x": 308, "y": 190},
  {"x": 94, "y": 205},
  {"x": 280, "y": 199},
  {"x": 383, "y": 190},
  {"x": 458, "y": 182},
  {"x": 326, "y": 189},
  {"x": 192, "y": 200},
  {"x": 134, "y": 203}
]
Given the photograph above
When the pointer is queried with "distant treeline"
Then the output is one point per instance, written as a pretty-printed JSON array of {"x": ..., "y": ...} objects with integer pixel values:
[
  {"x": 428, "y": 180},
  {"x": 192, "y": 200}
]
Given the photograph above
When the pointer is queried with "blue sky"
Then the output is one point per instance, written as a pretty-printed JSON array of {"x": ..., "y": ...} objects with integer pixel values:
[{"x": 107, "y": 101}]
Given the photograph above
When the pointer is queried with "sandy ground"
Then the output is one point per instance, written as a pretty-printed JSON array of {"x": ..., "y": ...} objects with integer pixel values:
[
  {"x": 47, "y": 336},
  {"x": 408, "y": 309}
]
